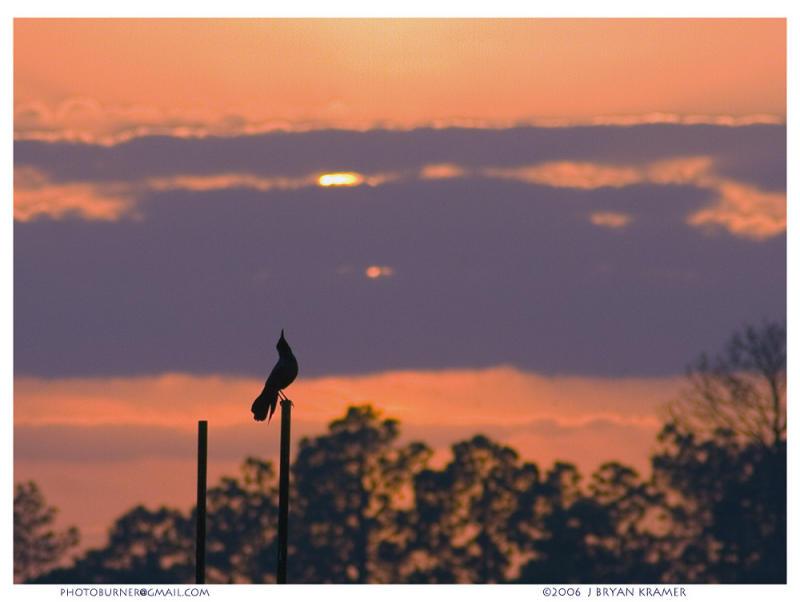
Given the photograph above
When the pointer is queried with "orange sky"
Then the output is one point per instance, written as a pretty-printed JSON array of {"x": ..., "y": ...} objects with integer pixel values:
[
  {"x": 95, "y": 75},
  {"x": 123, "y": 441}
]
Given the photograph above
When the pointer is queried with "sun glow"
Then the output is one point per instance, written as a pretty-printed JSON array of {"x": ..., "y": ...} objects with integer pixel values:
[
  {"x": 377, "y": 271},
  {"x": 340, "y": 179}
]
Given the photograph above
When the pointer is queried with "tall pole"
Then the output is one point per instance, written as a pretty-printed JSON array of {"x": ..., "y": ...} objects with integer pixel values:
[
  {"x": 202, "y": 466},
  {"x": 283, "y": 490}
]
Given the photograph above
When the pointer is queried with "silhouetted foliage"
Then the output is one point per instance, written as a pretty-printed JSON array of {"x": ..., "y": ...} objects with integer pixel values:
[
  {"x": 724, "y": 455},
  {"x": 730, "y": 517},
  {"x": 145, "y": 546},
  {"x": 36, "y": 545},
  {"x": 242, "y": 527},
  {"x": 742, "y": 389},
  {"x": 348, "y": 487},
  {"x": 465, "y": 514},
  {"x": 157, "y": 546},
  {"x": 635, "y": 513},
  {"x": 367, "y": 508}
]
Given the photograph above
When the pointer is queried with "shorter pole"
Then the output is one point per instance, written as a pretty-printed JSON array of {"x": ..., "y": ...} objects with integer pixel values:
[
  {"x": 283, "y": 490},
  {"x": 202, "y": 464}
]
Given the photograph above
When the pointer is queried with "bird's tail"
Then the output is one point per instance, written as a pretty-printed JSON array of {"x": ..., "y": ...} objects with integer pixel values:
[{"x": 264, "y": 404}]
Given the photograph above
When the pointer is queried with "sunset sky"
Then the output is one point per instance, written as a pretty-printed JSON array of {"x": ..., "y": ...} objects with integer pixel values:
[{"x": 526, "y": 228}]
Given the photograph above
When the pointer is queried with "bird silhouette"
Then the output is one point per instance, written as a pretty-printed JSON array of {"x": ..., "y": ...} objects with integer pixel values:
[{"x": 282, "y": 375}]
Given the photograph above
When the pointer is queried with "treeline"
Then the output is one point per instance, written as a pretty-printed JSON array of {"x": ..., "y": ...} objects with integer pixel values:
[{"x": 368, "y": 509}]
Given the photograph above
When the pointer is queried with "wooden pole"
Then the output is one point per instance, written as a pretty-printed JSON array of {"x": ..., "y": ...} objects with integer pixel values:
[
  {"x": 283, "y": 490},
  {"x": 202, "y": 466}
]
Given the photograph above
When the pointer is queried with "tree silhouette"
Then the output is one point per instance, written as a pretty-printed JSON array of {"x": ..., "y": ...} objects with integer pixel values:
[
  {"x": 562, "y": 551},
  {"x": 633, "y": 511},
  {"x": 36, "y": 545},
  {"x": 741, "y": 389},
  {"x": 730, "y": 518},
  {"x": 157, "y": 546},
  {"x": 347, "y": 488},
  {"x": 724, "y": 454},
  {"x": 242, "y": 526},
  {"x": 466, "y": 515},
  {"x": 145, "y": 546}
]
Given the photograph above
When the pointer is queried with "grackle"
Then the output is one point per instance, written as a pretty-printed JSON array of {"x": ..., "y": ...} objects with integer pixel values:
[{"x": 282, "y": 375}]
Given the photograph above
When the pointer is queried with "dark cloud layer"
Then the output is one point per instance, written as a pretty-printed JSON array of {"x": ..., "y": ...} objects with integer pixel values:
[
  {"x": 755, "y": 154},
  {"x": 486, "y": 271}
]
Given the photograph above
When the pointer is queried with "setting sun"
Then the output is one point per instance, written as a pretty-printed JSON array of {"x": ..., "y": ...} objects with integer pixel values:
[{"x": 340, "y": 179}]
